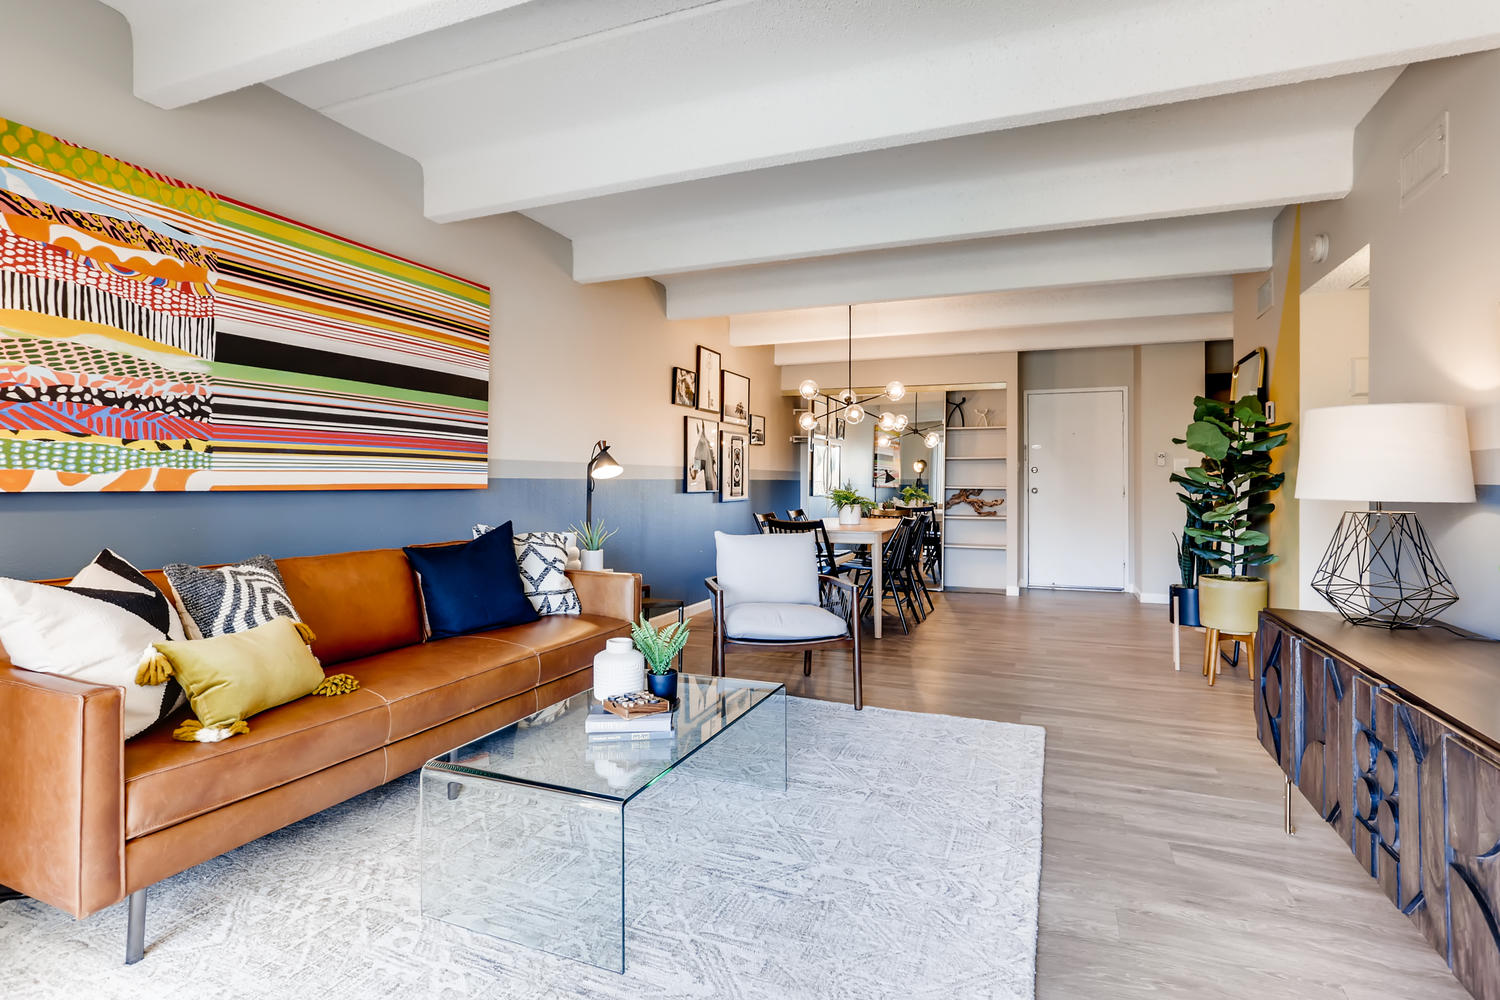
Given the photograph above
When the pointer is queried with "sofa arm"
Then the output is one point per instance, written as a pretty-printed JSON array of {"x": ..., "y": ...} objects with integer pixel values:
[
  {"x": 614, "y": 595},
  {"x": 62, "y": 789}
]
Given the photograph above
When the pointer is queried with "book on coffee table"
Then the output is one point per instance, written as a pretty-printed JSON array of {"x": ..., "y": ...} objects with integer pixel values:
[{"x": 600, "y": 722}]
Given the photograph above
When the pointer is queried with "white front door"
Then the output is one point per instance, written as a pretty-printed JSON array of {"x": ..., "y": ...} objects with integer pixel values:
[{"x": 1077, "y": 516}]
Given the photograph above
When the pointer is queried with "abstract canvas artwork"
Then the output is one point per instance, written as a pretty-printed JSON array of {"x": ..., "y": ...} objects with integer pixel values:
[{"x": 159, "y": 336}]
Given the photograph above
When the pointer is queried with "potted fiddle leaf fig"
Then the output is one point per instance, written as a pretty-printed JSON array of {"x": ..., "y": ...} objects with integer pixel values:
[
  {"x": 850, "y": 505},
  {"x": 660, "y": 648},
  {"x": 1232, "y": 484}
]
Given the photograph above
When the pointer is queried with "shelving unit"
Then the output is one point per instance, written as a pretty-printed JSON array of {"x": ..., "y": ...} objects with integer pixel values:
[{"x": 975, "y": 546}]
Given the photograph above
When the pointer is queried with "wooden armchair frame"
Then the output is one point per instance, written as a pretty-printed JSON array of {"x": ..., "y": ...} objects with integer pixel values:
[{"x": 850, "y": 601}]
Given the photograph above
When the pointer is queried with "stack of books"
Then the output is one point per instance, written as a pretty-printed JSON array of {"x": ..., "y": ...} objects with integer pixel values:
[{"x": 608, "y": 729}]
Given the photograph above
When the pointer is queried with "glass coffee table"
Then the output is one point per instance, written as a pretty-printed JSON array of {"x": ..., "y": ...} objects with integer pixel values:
[{"x": 523, "y": 830}]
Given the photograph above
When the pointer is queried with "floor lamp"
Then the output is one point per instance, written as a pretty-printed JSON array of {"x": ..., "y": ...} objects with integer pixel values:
[
  {"x": 1380, "y": 568},
  {"x": 601, "y": 466}
]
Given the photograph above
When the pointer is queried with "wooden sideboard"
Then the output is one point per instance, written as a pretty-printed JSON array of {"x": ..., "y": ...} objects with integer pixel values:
[{"x": 1394, "y": 737}]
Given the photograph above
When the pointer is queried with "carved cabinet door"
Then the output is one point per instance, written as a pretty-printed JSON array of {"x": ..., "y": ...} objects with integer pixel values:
[
  {"x": 1321, "y": 729},
  {"x": 1471, "y": 828},
  {"x": 1397, "y": 778},
  {"x": 1275, "y": 646}
]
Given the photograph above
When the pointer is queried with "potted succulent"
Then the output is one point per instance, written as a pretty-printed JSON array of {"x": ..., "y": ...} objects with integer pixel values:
[
  {"x": 850, "y": 505},
  {"x": 1232, "y": 483},
  {"x": 591, "y": 539},
  {"x": 1183, "y": 603},
  {"x": 660, "y": 648}
]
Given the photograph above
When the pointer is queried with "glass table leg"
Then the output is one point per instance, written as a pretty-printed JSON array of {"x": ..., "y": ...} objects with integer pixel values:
[
  {"x": 752, "y": 751},
  {"x": 541, "y": 868}
]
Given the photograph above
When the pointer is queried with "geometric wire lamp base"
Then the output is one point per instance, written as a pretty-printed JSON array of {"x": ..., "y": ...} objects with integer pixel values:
[{"x": 1380, "y": 569}]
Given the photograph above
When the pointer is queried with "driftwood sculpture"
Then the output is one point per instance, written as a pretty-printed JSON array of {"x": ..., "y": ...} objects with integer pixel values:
[{"x": 981, "y": 506}]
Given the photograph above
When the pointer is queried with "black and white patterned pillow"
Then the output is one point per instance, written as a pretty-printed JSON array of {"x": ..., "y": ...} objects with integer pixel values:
[
  {"x": 542, "y": 558},
  {"x": 231, "y": 598},
  {"x": 94, "y": 629}
]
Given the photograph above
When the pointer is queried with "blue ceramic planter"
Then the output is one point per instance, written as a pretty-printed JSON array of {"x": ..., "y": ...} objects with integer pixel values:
[{"x": 663, "y": 685}]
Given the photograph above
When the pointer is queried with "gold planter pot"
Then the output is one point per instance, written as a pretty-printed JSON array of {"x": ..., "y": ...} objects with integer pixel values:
[{"x": 1232, "y": 603}]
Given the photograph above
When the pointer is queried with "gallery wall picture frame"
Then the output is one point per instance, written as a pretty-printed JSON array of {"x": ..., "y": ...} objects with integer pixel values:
[
  {"x": 736, "y": 399},
  {"x": 734, "y": 465},
  {"x": 835, "y": 463},
  {"x": 757, "y": 430},
  {"x": 817, "y": 467},
  {"x": 684, "y": 387},
  {"x": 700, "y": 455},
  {"x": 710, "y": 365}
]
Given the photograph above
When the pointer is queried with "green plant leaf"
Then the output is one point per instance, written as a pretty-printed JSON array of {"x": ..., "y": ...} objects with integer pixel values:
[
  {"x": 1204, "y": 437},
  {"x": 1252, "y": 537}
]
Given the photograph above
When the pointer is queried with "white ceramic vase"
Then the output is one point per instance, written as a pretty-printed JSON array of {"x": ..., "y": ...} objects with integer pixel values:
[
  {"x": 620, "y": 669},
  {"x": 850, "y": 514},
  {"x": 591, "y": 559}
]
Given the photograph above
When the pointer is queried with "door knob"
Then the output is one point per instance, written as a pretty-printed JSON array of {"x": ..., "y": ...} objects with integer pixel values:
[
  {"x": 1033, "y": 489},
  {"x": 1034, "y": 468}
]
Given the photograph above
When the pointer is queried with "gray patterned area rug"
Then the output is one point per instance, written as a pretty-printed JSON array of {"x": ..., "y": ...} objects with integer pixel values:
[{"x": 903, "y": 861}]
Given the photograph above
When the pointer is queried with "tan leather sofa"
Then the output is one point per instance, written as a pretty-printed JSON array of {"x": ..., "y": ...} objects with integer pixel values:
[{"x": 87, "y": 819}]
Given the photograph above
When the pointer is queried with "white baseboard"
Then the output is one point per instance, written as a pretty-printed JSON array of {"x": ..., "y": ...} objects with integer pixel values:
[
  {"x": 691, "y": 611},
  {"x": 1146, "y": 598}
]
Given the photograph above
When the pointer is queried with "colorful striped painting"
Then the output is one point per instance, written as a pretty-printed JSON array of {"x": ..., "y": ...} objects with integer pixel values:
[{"x": 159, "y": 336}]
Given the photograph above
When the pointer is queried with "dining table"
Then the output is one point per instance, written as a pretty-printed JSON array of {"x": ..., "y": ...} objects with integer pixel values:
[{"x": 871, "y": 531}]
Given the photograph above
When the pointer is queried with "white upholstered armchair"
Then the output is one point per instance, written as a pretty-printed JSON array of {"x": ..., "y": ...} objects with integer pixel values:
[{"x": 769, "y": 594}]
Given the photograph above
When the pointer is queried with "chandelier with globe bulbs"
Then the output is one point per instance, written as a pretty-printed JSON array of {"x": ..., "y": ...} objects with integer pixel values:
[{"x": 852, "y": 405}]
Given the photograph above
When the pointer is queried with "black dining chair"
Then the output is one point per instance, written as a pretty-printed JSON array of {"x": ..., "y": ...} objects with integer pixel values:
[
  {"x": 796, "y": 514},
  {"x": 760, "y": 521},
  {"x": 827, "y": 560},
  {"x": 896, "y": 582}
]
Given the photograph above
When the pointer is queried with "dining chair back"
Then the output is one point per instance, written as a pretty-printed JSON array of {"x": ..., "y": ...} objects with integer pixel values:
[
  {"x": 827, "y": 562},
  {"x": 796, "y": 514}
]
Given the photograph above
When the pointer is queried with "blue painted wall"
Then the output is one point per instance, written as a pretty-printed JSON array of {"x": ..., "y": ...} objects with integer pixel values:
[{"x": 665, "y": 534}]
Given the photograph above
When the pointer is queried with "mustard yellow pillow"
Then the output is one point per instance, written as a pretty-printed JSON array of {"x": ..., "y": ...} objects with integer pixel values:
[{"x": 229, "y": 678}]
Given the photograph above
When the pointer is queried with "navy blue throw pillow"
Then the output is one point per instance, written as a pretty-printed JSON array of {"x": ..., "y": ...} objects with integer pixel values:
[{"x": 471, "y": 587}]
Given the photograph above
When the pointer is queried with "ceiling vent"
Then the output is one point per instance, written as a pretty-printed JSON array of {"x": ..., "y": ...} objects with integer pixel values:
[{"x": 1426, "y": 161}]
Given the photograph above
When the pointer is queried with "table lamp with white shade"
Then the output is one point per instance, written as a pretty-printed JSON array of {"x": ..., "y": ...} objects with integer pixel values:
[{"x": 1380, "y": 568}]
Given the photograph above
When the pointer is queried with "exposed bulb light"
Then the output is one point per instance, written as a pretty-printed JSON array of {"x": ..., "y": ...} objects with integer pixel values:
[
  {"x": 887, "y": 420},
  {"x": 930, "y": 439},
  {"x": 847, "y": 396},
  {"x": 894, "y": 390},
  {"x": 808, "y": 389},
  {"x": 901, "y": 421},
  {"x": 854, "y": 414},
  {"x": 883, "y": 441},
  {"x": 807, "y": 421}
]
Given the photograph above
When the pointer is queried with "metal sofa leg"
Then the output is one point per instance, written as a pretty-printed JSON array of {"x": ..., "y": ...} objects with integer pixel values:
[{"x": 135, "y": 932}]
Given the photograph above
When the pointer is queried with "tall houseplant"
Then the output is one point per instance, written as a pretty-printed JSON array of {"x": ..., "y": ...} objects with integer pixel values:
[{"x": 1227, "y": 492}]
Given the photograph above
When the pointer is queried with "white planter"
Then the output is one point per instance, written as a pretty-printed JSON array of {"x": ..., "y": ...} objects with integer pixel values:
[
  {"x": 620, "y": 669},
  {"x": 851, "y": 514},
  {"x": 592, "y": 559}
]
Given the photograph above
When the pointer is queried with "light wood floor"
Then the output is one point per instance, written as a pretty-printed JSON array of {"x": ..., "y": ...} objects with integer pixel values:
[{"x": 1165, "y": 873}]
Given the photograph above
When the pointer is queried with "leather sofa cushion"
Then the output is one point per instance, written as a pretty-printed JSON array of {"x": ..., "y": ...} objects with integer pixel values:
[
  {"x": 435, "y": 682},
  {"x": 168, "y": 781},
  {"x": 563, "y": 643},
  {"x": 357, "y": 603}
]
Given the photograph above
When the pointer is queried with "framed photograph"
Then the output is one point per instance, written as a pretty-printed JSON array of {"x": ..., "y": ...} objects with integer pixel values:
[
  {"x": 736, "y": 399},
  {"x": 757, "y": 430},
  {"x": 817, "y": 467},
  {"x": 734, "y": 483},
  {"x": 834, "y": 475},
  {"x": 684, "y": 387},
  {"x": 710, "y": 364},
  {"x": 700, "y": 455},
  {"x": 839, "y": 427}
]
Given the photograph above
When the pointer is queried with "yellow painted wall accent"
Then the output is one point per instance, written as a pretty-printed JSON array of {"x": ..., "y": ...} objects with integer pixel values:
[{"x": 1285, "y": 388}]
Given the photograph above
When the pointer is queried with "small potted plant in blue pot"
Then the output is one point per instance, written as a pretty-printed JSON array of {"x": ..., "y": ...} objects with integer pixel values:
[{"x": 660, "y": 647}]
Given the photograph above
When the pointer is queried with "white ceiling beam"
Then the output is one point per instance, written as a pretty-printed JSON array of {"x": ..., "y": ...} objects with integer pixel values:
[
  {"x": 1232, "y": 243},
  {"x": 1104, "y": 333},
  {"x": 1245, "y": 151},
  {"x": 1005, "y": 310},
  {"x": 674, "y": 119},
  {"x": 188, "y": 50}
]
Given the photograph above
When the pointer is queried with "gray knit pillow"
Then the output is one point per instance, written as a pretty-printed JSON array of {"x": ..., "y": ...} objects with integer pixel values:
[{"x": 231, "y": 598}]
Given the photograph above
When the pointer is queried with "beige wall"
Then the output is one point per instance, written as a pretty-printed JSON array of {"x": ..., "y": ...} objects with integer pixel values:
[
  {"x": 1435, "y": 289},
  {"x": 1161, "y": 381},
  {"x": 1335, "y": 331},
  {"x": 571, "y": 363}
]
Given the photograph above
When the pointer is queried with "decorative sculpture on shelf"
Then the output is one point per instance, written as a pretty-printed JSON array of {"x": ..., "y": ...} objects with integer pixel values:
[
  {"x": 981, "y": 506},
  {"x": 984, "y": 417},
  {"x": 956, "y": 412}
]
